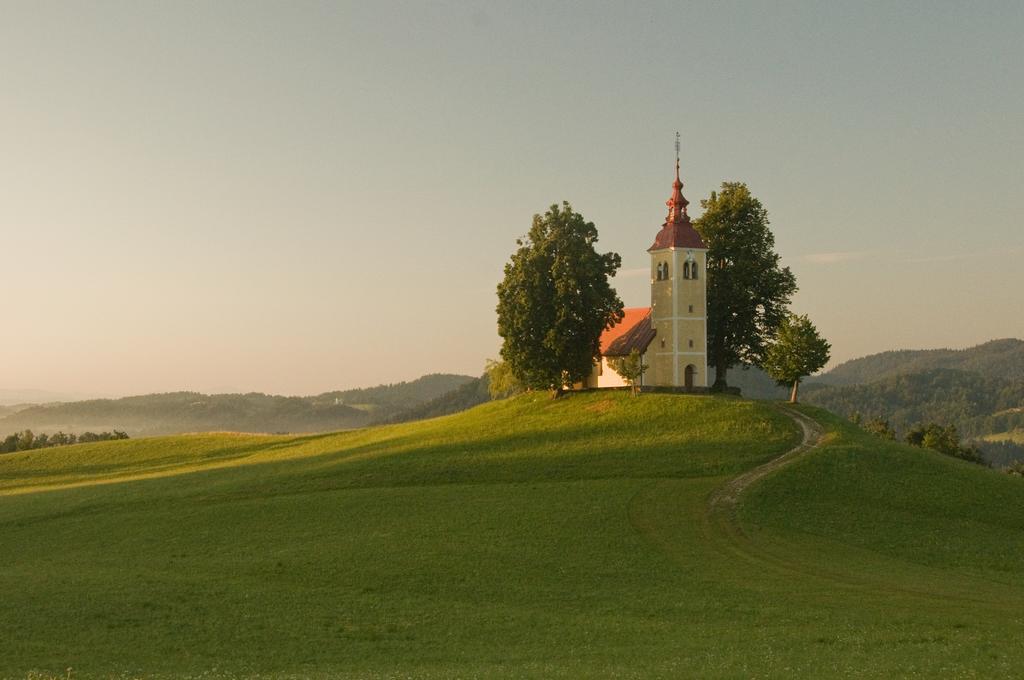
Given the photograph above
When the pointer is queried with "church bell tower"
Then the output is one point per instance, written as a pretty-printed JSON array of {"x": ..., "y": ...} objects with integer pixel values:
[{"x": 678, "y": 354}]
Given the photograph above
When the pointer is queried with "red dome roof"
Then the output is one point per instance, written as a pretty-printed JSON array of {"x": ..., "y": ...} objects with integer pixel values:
[{"x": 677, "y": 231}]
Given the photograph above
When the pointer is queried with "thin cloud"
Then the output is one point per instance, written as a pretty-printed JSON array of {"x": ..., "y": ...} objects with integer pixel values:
[
  {"x": 834, "y": 257},
  {"x": 939, "y": 258},
  {"x": 949, "y": 257},
  {"x": 633, "y": 273}
]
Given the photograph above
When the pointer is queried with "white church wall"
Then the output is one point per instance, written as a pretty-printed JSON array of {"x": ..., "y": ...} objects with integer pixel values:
[{"x": 607, "y": 377}]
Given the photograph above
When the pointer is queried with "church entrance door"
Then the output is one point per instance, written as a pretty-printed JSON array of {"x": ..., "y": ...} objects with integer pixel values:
[{"x": 688, "y": 376}]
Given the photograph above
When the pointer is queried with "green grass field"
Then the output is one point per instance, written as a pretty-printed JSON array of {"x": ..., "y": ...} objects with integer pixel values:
[{"x": 522, "y": 538}]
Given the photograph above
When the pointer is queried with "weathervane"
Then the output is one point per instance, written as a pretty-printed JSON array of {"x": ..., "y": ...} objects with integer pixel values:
[{"x": 677, "y": 147}]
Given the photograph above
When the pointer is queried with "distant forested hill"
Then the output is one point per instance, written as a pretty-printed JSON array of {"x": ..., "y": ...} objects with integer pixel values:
[
  {"x": 9, "y": 397},
  {"x": 980, "y": 390},
  {"x": 386, "y": 401},
  {"x": 461, "y": 398},
  {"x": 976, "y": 404},
  {"x": 755, "y": 383},
  {"x": 179, "y": 412},
  {"x": 6, "y": 410},
  {"x": 1002, "y": 359}
]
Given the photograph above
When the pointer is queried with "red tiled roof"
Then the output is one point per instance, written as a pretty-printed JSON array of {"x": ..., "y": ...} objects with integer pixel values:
[
  {"x": 634, "y": 331},
  {"x": 638, "y": 337}
]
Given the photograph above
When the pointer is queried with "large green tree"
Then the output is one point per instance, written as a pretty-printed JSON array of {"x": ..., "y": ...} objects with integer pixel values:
[
  {"x": 555, "y": 301},
  {"x": 797, "y": 352},
  {"x": 748, "y": 291}
]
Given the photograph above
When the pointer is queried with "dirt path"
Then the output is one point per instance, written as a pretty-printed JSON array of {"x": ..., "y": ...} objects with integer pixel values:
[
  {"x": 657, "y": 510},
  {"x": 724, "y": 499},
  {"x": 722, "y": 528},
  {"x": 719, "y": 521}
]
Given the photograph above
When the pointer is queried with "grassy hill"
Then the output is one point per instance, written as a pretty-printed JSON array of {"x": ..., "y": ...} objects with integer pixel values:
[
  {"x": 525, "y": 537},
  {"x": 178, "y": 412}
]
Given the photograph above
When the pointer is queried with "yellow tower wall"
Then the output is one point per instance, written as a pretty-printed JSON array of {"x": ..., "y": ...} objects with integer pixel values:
[{"x": 679, "y": 317}]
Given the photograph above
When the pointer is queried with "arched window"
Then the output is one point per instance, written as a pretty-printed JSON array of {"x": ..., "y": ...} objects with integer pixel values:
[
  {"x": 665, "y": 266},
  {"x": 659, "y": 271},
  {"x": 693, "y": 270},
  {"x": 686, "y": 270}
]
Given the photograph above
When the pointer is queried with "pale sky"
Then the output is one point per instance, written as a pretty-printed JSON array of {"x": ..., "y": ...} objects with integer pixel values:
[{"x": 296, "y": 197}]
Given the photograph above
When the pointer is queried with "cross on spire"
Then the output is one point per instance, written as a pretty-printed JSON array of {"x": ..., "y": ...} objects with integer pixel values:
[
  {"x": 677, "y": 231},
  {"x": 676, "y": 203}
]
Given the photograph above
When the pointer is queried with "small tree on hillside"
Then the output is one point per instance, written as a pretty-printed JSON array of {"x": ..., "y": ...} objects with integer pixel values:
[
  {"x": 946, "y": 440},
  {"x": 797, "y": 352},
  {"x": 631, "y": 368},
  {"x": 555, "y": 301},
  {"x": 880, "y": 427},
  {"x": 500, "y": 381},
  {"x": 748, "y": 292}
]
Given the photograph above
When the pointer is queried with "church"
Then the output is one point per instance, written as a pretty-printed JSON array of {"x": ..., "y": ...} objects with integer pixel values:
[{"x": 671, "y": 334}]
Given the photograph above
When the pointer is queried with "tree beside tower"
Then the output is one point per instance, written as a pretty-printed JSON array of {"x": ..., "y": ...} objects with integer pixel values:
[
  {"x": 556, "y": 300},
  {"x": 748, "y": 290}
]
